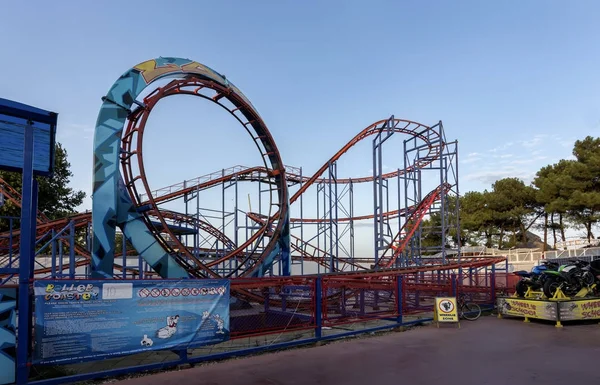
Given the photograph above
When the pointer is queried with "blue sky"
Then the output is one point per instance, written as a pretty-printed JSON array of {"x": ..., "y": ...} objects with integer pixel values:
[{"x": 516, "y": 82}]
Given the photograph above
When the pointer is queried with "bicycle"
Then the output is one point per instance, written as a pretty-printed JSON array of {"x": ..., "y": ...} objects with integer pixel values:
[{"x": 468, "y": 310}]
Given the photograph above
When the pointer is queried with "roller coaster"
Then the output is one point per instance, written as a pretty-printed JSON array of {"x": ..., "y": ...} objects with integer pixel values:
[{"x": 167, "y": 243}]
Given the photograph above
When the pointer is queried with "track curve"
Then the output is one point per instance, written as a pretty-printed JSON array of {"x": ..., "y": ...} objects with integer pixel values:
[
  {"x": 414, "y": 129},
  {"x": 125, "y": 199},
  {"x": 114, "y": 198}
]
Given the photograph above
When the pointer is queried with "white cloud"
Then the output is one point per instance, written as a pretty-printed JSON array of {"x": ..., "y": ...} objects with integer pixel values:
[
  {"x": 567, "y": 143},
  {"x": 470, "y": 160},
  {"x": 490, "y": 176},
  {"x": 80, "y": 127},
  {"x": 503, "y": 147},
  {"x": 536, "y": 140},
  {"x": 69, "y": 130},
  {"x": 522, "y": 161}
]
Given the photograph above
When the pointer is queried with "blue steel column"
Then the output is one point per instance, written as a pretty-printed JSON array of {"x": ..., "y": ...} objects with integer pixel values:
[
  {"x": 378, "y": 205},
  {"x": 26, "y": 251},
  {"x": 235, "y": 211},
  {"x": 352, "y": 251},
  {"x": 301, "y": 244},
  {"x": 333, "y": 218},
  {"x": 493, "y": 284},
  {"x": 124, "y": 252},
  {"x": 407, "y": 178},
  {"x": 72, "y": 250},
  {"x": 399, "y": 295},
  {"x": 197, "y": 233},
  {"x": 222, "y": 222},
  {"x": 443, "y": 165},
  {"x": 318, "y": 309},
  {"x": 53, "y": 247},
  {"x": 319, "y": 225},
  {"x": 457, "y": 208},
  {"x": 399, "y": 178}
]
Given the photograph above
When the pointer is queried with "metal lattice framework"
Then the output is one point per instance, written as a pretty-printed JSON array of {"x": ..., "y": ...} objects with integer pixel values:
[
  {"x": 331, "y": 189},
  {"x": 196, "y": 245}
]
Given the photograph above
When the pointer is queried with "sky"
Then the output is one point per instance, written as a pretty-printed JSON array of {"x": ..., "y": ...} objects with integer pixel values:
[{"x": 515, "y": 82}]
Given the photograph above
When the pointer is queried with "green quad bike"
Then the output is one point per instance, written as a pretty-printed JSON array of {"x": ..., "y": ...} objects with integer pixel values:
[
  {"x": 571, "y": 278},
  {"x": 535, "y": 278}
]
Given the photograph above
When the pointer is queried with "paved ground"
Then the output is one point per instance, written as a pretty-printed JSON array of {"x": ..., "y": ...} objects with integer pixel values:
[{"x": 486, "y": 352}]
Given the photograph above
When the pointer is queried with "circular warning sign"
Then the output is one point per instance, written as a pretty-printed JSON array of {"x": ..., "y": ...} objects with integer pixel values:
[
  {"x": 155, "y": 292},
  {"x": 175, "y": 292},
  {"x": 185, "y": 292},
  {"x": 446, "y": 306},
  {"x": 195, "y": 291},
  {"x": 143, "y": 293},
  {"x": 165, "y": 292}
]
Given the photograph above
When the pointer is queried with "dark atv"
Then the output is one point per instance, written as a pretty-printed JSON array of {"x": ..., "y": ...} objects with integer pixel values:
[
  {"x": 572, "y": 277},
  {"x": 534, "y": 279}
]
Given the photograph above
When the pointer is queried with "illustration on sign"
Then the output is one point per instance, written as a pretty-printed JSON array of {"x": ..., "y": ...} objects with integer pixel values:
[
  {"x": 78, "y": 321},
  {"x": 580, "y": 310},
  {"x": 527, "y": 308},
  {"x": 446, "y": 310}
]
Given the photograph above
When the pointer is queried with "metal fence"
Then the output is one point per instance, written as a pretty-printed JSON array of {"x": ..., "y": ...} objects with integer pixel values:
[{"x": 276, "y": 313}]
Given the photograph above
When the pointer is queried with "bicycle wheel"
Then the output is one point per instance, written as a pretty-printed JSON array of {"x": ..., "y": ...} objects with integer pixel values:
[{"x": 470, "y": 311}]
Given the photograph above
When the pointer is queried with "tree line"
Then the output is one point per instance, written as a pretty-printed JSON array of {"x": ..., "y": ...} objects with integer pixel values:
[{"x": 564, "y": 195}]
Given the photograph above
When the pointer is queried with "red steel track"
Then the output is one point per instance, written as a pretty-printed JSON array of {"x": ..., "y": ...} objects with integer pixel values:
[
  {"x": 409, "y": 227},
  {"x": 270, "y": 225}
]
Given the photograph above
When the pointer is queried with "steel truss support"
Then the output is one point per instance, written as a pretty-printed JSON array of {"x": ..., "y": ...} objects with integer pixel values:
[
  {"x": 298, "y": 247},
  {"x": 383, "y": 234},
  {"x": 438, "y": 239},
  {"x": 327, "y": 226}
]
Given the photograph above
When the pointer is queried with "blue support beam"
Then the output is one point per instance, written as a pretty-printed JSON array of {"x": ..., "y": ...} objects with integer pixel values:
[{"x": 27, "y": 252}]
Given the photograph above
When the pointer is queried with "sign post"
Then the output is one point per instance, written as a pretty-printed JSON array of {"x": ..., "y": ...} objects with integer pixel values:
[
  {"x": 27, "y": 144},
  {"x": 446, "y": 310}
]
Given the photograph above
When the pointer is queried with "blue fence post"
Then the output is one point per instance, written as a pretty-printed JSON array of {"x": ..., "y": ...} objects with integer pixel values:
[
  {"x": 26, "y": 254},
  {"x": 399, "y": 295},
  {"x": 318, "y": 308},
  {"x": 493, "y": 284},
  {"x": 53, "y": 267},
  {"x": 183, "y": 356},
  {"x": 72, "y": 249},
  {"x": 453, "y": 282},
  {"x": 124, "y": 252}
]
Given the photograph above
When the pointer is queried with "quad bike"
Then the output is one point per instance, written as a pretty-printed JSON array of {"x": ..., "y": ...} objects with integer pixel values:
[
  {"x": 534, "y": 279},
  {"x": 595, "y": 270},
  {"x": 570, "y": 278}
]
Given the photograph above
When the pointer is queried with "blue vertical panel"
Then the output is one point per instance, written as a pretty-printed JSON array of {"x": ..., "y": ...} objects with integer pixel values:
[
  {"x": 27, "y": 253},
  {"x": 8, "y": 337},
  {"x": 284, "y": 241},
  {"x": 14, "y": 117}
]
